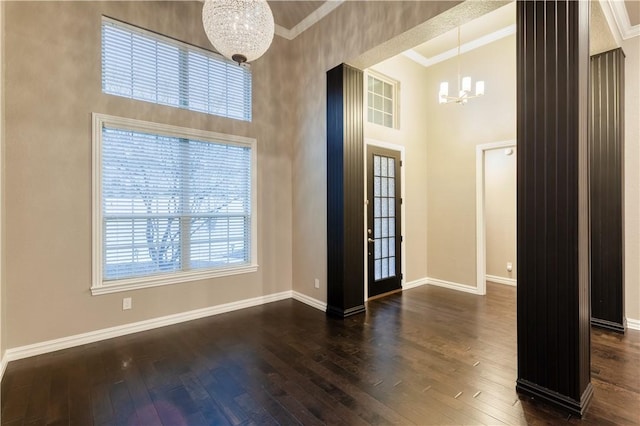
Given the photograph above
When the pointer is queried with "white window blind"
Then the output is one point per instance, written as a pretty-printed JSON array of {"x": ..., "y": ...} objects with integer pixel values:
[
  {"x": 142, "y": 65},
  {"x": 171, "y": 204}
]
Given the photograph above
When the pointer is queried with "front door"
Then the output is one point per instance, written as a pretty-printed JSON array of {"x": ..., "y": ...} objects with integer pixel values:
[{"x": 383, "y": 220}]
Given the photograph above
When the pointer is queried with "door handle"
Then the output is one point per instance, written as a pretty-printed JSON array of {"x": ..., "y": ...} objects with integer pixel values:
[{"x": 371, "y": 240}]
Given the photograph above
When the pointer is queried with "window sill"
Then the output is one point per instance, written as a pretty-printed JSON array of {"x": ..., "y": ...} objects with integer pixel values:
[{"x": 156, "y": 281}]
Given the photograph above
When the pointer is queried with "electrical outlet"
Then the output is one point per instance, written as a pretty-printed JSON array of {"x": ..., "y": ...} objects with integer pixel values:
[
  {"x": 126, "y": 303},
  {"x": 316, "y": 283},
  {"x": 509, "y": 266}
]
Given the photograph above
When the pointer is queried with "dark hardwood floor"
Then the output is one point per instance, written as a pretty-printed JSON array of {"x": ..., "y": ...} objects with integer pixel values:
[{"x": 425, "y": 356}]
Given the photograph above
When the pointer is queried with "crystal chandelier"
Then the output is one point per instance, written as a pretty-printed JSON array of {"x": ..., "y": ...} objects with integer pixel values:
[
  {"x": 464, "y": 87},
  {"x": 241, "y": 30}
]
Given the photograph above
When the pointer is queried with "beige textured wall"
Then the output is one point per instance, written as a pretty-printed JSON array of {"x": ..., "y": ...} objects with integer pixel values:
[
  {"x": 600, "y": 37},
  {"x": 500, "y": 212},
  {"x": 631, "y": 48},
  {"x": 2, "y": 280},
  {"x": 53, "y": 84},
  {"x": 411, "y": 134},
  {"x": 453, "y": 133},
  {"x": 352, "y": 29}
]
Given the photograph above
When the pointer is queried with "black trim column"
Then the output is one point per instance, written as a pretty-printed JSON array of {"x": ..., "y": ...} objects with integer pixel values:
[
  {"x": 606, "y": 143},
  {"x": 553, "y": 203},
  {"x": 345, "y": 192}
]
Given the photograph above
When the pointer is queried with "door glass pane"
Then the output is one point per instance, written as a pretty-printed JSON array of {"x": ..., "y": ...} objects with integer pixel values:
[{"x": 384, "y": 211}]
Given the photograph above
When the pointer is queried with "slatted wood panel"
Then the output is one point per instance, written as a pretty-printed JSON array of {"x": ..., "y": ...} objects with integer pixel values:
[
  {"x": 345, "y": 192},
  {"x": 553, "y": 202},
  {"x": 425, "y": 356},
  {"x": 606, "y": 168}
]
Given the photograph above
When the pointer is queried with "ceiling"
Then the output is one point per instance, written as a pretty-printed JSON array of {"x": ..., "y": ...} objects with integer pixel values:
[
  {"x": 633, "y": 10},
  {"x": 502, "y": 22},
  {"x": 294, "y": 17},
  {"x": 482, "y": 27},
  {"x": 288, "y": 14}
]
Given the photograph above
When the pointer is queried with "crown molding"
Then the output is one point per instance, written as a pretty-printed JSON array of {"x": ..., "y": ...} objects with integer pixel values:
[
  {"x": 615, "y": 12},
  {"x": 464, "y": 48},
  {"x": 309, "y": 21}
]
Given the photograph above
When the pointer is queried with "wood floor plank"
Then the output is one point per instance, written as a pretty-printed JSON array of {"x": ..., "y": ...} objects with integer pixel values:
[
  {"x": 425, "y": 356},
  {"x": 39, "y": 398},
  {"x": 15, "y": 403}
]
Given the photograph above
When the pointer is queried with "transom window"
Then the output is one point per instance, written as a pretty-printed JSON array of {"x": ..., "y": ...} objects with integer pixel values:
[
  {"x": 142, "y": 65},
  {"x": 382, "y": 93},
  {"x": 170, "y": 204}
]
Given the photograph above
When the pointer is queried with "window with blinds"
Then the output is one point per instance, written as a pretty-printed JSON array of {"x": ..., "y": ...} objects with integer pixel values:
[
  {"x": 142, "y": 65},
  {"x": 172, "y": 203}
]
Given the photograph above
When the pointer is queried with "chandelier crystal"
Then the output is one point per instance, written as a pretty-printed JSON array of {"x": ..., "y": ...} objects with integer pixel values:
[
  {"x": 241, "y": 30},
  {"x": 464, "y": 87}
]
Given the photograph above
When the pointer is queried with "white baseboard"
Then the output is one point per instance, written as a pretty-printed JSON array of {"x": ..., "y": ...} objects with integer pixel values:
[
  {"x": 415, "y": 283},
  {"x": 308, "y": 300},
  {"x": 452, "y": 285},
  {"x": 501, "y": 280},
  {"x": 108, "y": 333},
  {"x": 633, "y": 324}
]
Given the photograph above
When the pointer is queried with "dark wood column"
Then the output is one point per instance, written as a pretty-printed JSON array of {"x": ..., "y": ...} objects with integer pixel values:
[
  {"x": 606, "y": 161},
  {"x": 345, "y": 192},
  {"x": 553, "y": 203}
]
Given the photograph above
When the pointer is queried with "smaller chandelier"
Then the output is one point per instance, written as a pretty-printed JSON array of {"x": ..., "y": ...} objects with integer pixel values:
[
  {"x": 241, "y": 30},
  {"x": 464, "y": 87}
]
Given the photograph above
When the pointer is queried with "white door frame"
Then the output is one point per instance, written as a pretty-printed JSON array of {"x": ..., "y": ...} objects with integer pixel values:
[
  {"x": 481, "y": 243},
  {"x": 403, "y": 261}
]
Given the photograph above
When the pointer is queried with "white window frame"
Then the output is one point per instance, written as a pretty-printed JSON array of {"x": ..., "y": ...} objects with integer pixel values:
[
  {"x": 99, "y": 286},
  {"x": 395, "y": 100}
]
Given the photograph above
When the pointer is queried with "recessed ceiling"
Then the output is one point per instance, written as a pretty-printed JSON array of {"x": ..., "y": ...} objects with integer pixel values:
[
  {"x": 633, "y": 10},
  {"x": 501, "y": 23},
  {"x": 288, "y": 14},
  {"x": 485, "y": 25},
  {"x": 293, "y": 17}
]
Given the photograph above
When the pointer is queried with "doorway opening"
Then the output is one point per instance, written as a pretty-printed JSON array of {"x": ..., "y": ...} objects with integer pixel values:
[{"x": 498, "y": 207}]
